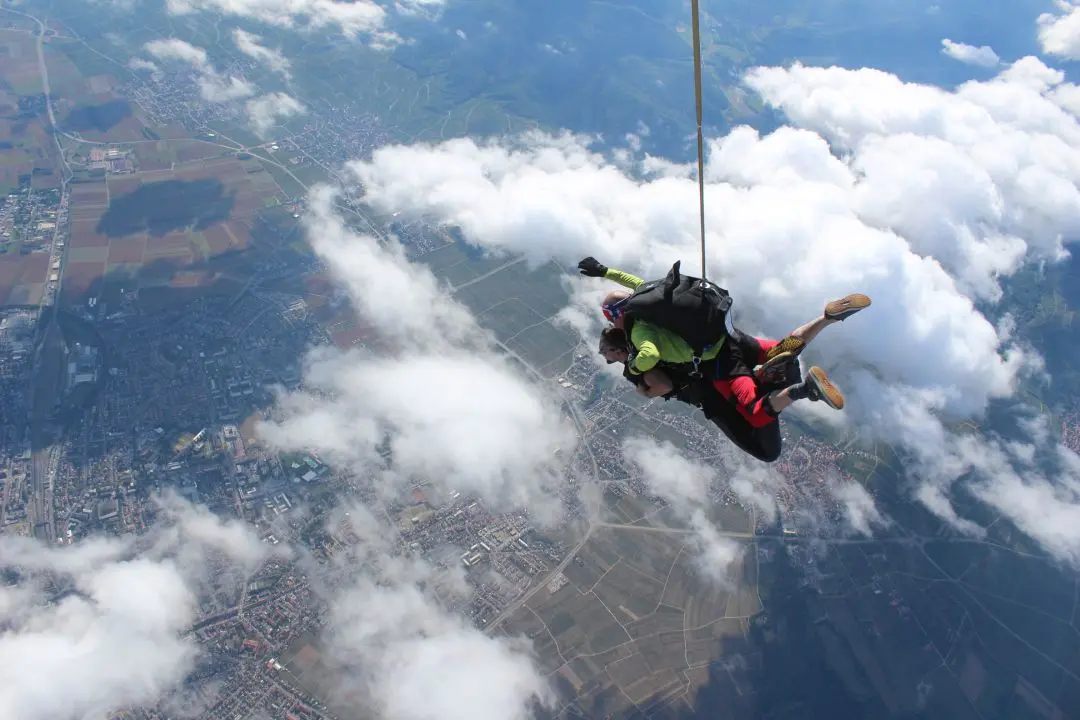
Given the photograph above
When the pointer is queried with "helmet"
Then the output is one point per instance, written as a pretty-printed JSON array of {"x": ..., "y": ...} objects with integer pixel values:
[{"x": 612, "y": 305}]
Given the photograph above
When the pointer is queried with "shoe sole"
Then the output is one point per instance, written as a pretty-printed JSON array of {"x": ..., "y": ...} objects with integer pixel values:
[
  {"x": 829, "y": 392},
  {"x": 790, "y": 346},
  {"x": 847, "y": 306}
]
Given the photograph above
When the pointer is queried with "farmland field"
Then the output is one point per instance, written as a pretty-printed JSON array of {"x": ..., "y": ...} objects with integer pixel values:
[{"x": 152, "y": 228}]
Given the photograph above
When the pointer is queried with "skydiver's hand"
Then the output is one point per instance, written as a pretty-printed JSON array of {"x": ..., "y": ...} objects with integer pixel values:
[{"x": 589, "y": 267}]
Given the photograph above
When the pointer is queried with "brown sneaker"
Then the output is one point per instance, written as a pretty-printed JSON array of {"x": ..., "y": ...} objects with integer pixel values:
[
  {"x": 790, "y": 346},
  {"x": 847, "y": 306},
  {"x": 821, "y": 388}
]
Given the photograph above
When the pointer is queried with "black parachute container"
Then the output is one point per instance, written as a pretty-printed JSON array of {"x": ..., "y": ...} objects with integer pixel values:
[{"x": 694, "y": 309}]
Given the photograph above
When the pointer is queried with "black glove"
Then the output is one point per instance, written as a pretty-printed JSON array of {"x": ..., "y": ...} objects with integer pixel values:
[{"x": 589, "y": 267}]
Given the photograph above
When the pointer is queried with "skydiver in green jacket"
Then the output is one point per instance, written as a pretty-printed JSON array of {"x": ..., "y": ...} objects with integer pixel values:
[{"x": 653, "y": 344}]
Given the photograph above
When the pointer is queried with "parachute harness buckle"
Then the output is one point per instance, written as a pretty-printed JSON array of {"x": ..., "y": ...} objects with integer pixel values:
[{"x": 696, "y": 372}]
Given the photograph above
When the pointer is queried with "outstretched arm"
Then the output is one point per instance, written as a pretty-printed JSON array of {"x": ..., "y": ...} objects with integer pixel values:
[
  {"x": 591, "y": 267},
  {"x": 623, "y": 278}
]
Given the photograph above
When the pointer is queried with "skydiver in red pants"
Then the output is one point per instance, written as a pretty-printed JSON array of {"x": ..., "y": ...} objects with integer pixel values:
[{"x": 751, "y": 381}]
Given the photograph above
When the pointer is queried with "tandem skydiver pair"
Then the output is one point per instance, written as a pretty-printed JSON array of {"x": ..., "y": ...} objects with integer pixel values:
[{"x": 674, "y": 338}]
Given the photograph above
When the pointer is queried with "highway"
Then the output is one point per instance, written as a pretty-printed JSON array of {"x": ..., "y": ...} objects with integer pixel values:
[{"x": 46, "y": 454}]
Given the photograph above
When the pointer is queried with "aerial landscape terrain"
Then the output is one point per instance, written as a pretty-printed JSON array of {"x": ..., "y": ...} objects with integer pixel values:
[{"x": 301, "y": 411}]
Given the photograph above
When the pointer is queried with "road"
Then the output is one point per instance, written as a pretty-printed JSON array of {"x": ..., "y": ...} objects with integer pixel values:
[
  {"x": 512, "y": 607},
  {"x": 46, "y": 453},
  {"x": 485, "y": 276},
  {"x": 43, "y": 72}
]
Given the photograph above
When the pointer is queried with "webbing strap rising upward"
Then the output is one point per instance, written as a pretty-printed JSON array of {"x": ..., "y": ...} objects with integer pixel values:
[{"x": 700, "y": 135}]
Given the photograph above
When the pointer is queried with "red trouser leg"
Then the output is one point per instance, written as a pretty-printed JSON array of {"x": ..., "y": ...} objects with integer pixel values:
[
  {"x": 763, "y": 443},
  {"x": 745, "y": 391}
]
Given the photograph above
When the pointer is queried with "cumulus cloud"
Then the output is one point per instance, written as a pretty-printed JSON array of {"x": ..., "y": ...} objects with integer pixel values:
[
  {"x": 922, "y": 197},
  {"x": 213, "y": 87},
  {"x": 397, "y": 647},
  {"x": 415, "y": 7},
  {"x": 684, "y": 485},
  {"x": 860, "y": 511},
  {"x": 249, "y": 44},
  {"x": 112, "y": 637},
  {"x": 350, "y": 17},
  {"x": 1059, "y": 34},
  {"x": 267, "y": 110},
  {"x": 466, "y": 423},
  {"x": 1032, "y": 480},
  {"x": 140, "y": 64},
  {"x": 262, "y": 112},
  {"x": 177, "y": 49},
  {"x": 447, "y": 406},
  {"x": 981, "y": 56},
  {"x": 216, "y": 89},
  {"x": 1007, "y": 149}
]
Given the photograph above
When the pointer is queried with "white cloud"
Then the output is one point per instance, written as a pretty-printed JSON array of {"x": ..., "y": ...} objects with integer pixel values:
[
  {"x": 213, "y": 87},
  {"x": 350, "y": 17},
  {"x": 138, "y": 606},
  {"x": 981, "y": 56},
  {"x": 465, "y": 423},
  {"x": 451, "y": 409},
  {"x": 406, "y": 302},
  {"x": 410, "y": 658},
  {"x": 140, "y": 64},
  {"x": 116, "y": 640},
  {"x": 266, "y": 110},
  {"x": 414, "y": 7},
  {"x": 248, "y": 43},
  {"x": 1060, "y": 34},
  {"x": 992, "y": 167},
  {"x": 217, "y": 89},
  {"x": 859, "y": 509},
  {"x": 205, "y": 531},
  {"x": 176, "y": 49},
  {"x": 684, "y": 485},
  {"x": 1037, "y": 487}
]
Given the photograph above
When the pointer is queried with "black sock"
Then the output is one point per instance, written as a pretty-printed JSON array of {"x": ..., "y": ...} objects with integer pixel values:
[{"x": 799, "y": 391}]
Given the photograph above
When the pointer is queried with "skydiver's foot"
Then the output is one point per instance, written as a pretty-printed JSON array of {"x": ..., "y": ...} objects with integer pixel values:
[
  {"x": 845, "y": 307},
  {"x": 778, "y": 371},
  {"x": 822, "y": 389},
  {"x": 818, "y": 388},
  {"x": 790, "y": 345}
]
